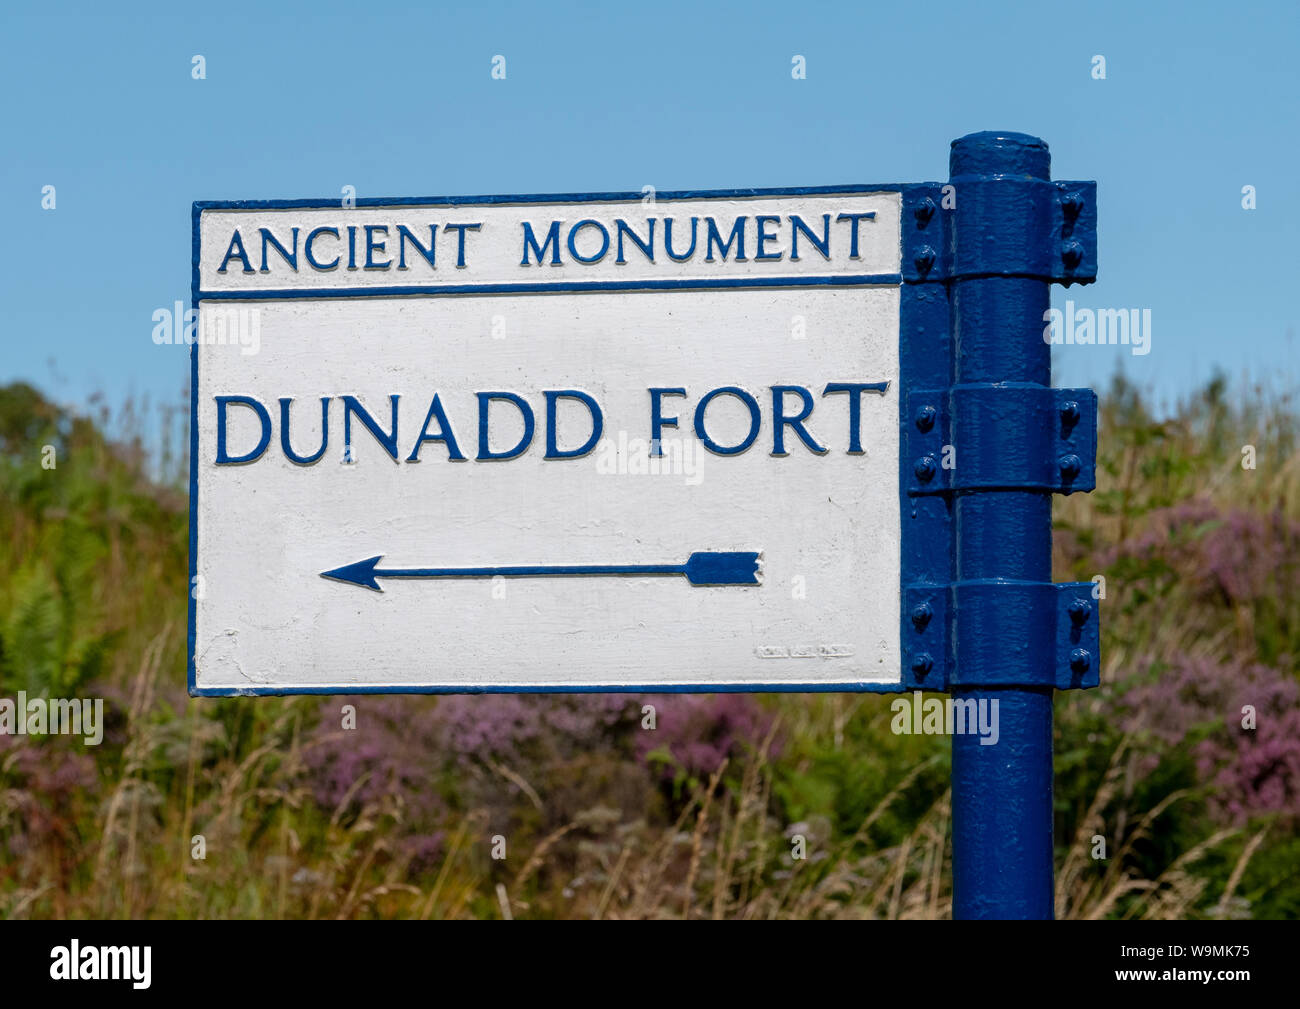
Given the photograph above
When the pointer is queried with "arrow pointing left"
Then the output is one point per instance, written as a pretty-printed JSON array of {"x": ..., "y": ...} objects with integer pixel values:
[{"x": 704, "y": 567}]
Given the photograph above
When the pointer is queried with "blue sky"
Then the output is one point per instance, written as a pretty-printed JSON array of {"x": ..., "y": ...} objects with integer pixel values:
[{"x": 1200, "y": 99}]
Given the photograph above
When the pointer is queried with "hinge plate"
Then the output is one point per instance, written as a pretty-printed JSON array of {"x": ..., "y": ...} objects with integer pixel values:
[
  {"x": 1058, "y": 242},
  {"x": 1001, "y": 437},
  {"x": 1053, "y": 629}
]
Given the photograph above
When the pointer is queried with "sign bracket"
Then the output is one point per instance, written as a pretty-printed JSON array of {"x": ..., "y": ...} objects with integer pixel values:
[
  {"x": 958, "y": 634},
  {"x": 1004, "y": 436}
]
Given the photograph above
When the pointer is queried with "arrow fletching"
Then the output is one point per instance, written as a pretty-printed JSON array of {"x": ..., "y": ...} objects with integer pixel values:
[{"x": 709, "y": 568}]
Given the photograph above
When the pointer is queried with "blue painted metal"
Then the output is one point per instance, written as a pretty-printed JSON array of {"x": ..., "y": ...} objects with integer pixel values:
[
  {"x": 507, "y": 199},
  {"x": 192, "y": 602},
  {"x": 575, "y": 287},
  {"x": 925, "y": 361},
  {"x": 1005, "y": 633},
  {"x": 1056, "y": 238},
  {"x": 961, "y": 634},
  {"x": 1001, "y": 437}
]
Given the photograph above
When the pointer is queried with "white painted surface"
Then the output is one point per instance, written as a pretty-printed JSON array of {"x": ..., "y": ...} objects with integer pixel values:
[{"x": 266, "y": 530}]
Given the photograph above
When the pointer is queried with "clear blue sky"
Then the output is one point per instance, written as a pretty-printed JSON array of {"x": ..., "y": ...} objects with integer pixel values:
[{"x": 1200, "y": 99}]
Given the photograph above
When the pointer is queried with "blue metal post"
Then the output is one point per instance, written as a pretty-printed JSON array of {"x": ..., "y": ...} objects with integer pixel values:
[{"x": 1001, "y": 794}]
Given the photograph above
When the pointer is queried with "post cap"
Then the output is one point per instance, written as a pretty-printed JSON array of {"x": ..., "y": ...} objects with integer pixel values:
[{"x": 1000, "y": 152}]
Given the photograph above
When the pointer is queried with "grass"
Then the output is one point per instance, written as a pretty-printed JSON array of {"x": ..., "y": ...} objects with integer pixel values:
[{"x": 297, "y": 817}]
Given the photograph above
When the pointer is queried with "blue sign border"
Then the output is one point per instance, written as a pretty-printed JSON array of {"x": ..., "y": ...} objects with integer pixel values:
[{"x": 923, "y": 338}]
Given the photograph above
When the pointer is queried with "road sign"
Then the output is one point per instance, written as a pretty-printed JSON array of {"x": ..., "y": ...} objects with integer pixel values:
[
  {"x": 508, "y": 418},
  {"x": 743, "y": 440},
  {"x": 579, "y": 442}
]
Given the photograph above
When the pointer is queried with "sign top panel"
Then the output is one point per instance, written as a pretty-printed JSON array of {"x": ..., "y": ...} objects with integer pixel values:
[{"x": 547, "y": 243}]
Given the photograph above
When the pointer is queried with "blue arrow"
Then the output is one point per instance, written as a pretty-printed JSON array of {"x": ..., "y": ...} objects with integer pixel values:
[{"x": 701, "y": 568}]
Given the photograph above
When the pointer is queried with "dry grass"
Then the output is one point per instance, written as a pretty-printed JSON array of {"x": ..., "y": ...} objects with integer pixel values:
[{"x": 722, "y": 851}]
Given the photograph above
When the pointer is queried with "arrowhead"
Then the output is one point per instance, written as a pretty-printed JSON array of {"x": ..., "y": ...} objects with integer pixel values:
[{"x": 359, "y": 573}]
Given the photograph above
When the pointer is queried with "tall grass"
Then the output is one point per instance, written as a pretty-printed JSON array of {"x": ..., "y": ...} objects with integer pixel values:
[{"x": 705, "y": 816}]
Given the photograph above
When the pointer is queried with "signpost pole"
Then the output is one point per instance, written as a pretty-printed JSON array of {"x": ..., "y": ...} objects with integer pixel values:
[{"x": 1002, "y": 793}]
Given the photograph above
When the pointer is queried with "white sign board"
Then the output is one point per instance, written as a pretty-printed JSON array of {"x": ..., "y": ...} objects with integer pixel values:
[{"x": 547, "y": 443}]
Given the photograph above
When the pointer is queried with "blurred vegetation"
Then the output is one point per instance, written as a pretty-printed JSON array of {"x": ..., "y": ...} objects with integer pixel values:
[{"x": 600, "y": 816}]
